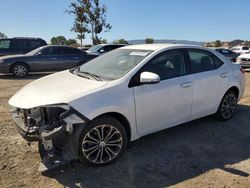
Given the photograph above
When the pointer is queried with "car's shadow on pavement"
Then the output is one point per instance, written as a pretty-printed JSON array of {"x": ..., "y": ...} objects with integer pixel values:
[
  {"x": 170, "y": 156},
  {"x": 28, "y": 77}
]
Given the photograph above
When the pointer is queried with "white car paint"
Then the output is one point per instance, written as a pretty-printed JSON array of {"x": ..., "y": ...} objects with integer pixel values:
[
  {"x": 240, "y": 49},
  {"x": 148, "y": 108},
  {"x": 244, "y": 60}
]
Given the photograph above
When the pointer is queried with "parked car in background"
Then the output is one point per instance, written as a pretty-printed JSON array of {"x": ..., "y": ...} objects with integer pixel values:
[
  {"x": 228, "y": 53},
  {"x": 244, "y": 60},
  {"x": 46, "y": 58},
  {"x": 93, "y": 111},
  {"x": 11, "y": 46},
  {"x": 240, "y": 49},
  {"x": 85, "y": 47},
  {"x": 103, "y": 48}
]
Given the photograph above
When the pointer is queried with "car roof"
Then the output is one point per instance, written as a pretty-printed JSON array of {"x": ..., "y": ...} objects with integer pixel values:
[
  {"x": 155, "y": 47},
  {"x": 23, "y": 38},
  {"x": 53, "y": 45}
]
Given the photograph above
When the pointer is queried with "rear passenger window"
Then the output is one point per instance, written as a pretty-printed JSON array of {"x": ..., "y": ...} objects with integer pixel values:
[
  {"x": 50, "y": 51},
  {"x": 19, "y": 44},
  {"x": 34, "y": 44},
  {"x": 200, "y": 61},
  {"x": 71, "y": 51}
]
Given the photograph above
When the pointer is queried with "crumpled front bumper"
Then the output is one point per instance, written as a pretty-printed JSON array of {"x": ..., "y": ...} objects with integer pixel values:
[
  {"x": 21, "y": 125},
  {"x": 62, "y": 138}
]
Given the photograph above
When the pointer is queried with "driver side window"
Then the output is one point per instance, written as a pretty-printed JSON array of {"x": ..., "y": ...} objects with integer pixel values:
[{"x": 167, "y": 65}]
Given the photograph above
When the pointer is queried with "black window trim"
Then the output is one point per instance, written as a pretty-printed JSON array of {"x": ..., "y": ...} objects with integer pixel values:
[{"x": 136, "y": 76}]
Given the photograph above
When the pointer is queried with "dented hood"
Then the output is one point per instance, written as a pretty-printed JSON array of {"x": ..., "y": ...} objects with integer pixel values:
[{"x": 62, "y": 87}]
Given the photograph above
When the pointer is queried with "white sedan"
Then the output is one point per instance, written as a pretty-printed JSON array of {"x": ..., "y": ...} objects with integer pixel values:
[
  {"x": 91, "y": 112},
  {"x": 244, "y": 60}
]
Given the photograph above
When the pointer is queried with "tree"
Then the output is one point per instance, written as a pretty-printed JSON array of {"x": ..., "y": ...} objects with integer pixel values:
[
  {"x": 104, "y": 41},
  {"x": 149, "y": 41},
  {"x": 2, "y": 35},
  {"x": 121, "y": 41},
  {"x": 90, "y": 17},
  {"x": 79, "y": 9},
  {"x": 71, "y": 42},
  {"x": 218, "y": 43},
  {"x": 97, "y": 20},
  {"x": 59, "y": 40}
]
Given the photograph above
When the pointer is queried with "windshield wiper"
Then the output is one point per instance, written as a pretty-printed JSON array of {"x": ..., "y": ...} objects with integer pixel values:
[{"x": 96, "y": 77}]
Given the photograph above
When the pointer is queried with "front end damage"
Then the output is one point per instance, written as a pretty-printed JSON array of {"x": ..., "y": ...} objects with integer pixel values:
[{"x": 57, "y": 129}]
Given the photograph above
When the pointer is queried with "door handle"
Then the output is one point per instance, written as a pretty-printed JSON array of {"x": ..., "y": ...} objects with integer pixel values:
[
  {"x": 76, "y": 57},
  {"x": 186, "y": 84},
  {"x": 53, "y": 58},
  {"x": 223, "y": 75}
]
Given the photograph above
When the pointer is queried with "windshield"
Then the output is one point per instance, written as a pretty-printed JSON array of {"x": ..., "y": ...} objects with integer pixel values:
[
  {"x": 115, "y": 64},
  {"x": 34, "y": 52},
  {"x": 95, "y": 48}
]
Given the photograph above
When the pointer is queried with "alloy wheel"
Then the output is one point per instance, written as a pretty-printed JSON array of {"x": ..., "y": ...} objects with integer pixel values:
[
  {"x": 228, "y": 106},
  {"x": 102, "y": 144}
]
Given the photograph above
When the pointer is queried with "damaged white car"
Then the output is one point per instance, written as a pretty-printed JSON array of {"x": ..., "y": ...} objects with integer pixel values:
[{"x": 91, "y": 112}]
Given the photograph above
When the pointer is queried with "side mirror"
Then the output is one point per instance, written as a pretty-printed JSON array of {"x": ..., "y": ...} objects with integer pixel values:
[
  {"x": 39, "y": 53},
  {"x": 149, "y": 78},
  {"x": 101, "y": 51}
]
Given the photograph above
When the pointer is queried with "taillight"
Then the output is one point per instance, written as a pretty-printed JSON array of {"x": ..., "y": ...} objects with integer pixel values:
[{"x": 242, "y": 70}]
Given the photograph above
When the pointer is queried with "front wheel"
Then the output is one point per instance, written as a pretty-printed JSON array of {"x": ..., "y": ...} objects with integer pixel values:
[
  {"x": 102, "y": 141},
  {"x": 227, "y": 106}
]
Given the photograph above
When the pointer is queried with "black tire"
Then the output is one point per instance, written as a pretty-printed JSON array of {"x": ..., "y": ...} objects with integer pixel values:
[
  {"x": 227, "y": 106},
  {"x": 104, "y": 153},
  {"x": 20, "y": 70}
]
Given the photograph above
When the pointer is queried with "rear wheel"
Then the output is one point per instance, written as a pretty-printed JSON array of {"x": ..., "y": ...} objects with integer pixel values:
[
  {"x": 102, "y": 141},
  {"x": 228, "y": 106},
  {"x": 20, "y": 69}
]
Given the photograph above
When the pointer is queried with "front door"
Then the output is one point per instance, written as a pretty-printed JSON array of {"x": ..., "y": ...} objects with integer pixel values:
[{"x": 168, "y": 103}]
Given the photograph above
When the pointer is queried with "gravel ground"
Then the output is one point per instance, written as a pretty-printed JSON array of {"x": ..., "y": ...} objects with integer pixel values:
[{"x": 202, "y": 153}]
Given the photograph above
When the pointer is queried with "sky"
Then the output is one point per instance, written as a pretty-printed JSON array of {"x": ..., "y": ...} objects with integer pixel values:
[{"x": 197, "y": 20}]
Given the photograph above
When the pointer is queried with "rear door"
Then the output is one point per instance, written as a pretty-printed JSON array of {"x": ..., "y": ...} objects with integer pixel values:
[
  {"x": 210, "y": 78},
  {"x": 168, "y": 103},
  {"x": 68, "y": 58},
  {"x": 33, "y": 44},
  {"x": 19, "y": 46}
]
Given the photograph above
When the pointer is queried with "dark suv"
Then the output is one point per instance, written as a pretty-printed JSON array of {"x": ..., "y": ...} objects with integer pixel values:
[{"x": 11, "y": 46}]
